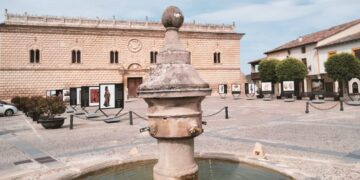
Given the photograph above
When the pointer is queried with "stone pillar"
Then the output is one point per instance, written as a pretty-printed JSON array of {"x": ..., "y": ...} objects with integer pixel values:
[
  {"x": 305, "y": 85},
  {"x": 174, "y": 92},
  {"x": 336, "y": 88}
]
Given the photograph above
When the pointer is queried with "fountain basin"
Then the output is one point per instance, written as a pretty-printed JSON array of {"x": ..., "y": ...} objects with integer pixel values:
[{"x": 209, "y": 169}]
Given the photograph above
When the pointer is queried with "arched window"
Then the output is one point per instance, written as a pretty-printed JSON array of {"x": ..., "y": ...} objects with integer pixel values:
[
  {"x": 153, "y": 57},
  {"x": 114, "y": 57},
  {"x": 355, "y": 87},
  {"x": 216, "y": 58},
  {"x": 111, "y": 57},
  {"x": 37, "y": 56},
  {"x": 76, "y": 56},
  {"x": 73, "y": 56},
  {"x": 34, "y": 56}
]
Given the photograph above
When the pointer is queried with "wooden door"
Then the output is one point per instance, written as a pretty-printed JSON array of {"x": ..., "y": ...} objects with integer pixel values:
[{"x": 133, "y": 84}]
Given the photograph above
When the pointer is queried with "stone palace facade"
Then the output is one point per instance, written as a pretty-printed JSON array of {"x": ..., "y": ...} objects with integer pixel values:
[{"x": 39, "y": 53}]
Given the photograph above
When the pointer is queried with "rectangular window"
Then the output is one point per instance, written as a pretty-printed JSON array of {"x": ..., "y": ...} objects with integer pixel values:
[
  {"x": 289, "y": 51},
  {"x": 303, "y": 49},
  {"x": 331, "y": 53},
  {"x": 357, "y": 52},
  {"x": 304, "y": 61}
]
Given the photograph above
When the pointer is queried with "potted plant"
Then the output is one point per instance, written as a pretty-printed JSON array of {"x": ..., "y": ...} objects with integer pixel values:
[
  {"x": 34, "y": 107},
  {"x": 51, "y": 107},
  {"x": 21, "y": 104}
]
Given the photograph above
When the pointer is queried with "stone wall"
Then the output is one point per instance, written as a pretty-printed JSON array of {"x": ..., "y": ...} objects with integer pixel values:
[{"x": 55, "y": 70}]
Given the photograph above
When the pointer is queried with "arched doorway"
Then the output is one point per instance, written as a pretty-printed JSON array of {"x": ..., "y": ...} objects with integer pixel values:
[
  {"x": 355, "y": 87},
  {"x": 134, "y": 79}
]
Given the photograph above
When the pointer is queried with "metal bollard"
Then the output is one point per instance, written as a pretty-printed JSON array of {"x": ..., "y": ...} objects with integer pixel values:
[
  {"x": 307, "y": 107},
  {"x": 130, "y": 117},
  {"x": 341, "y": 105},
  {"x": 71, "y": 121},
  {"x": 226, "y": 113}
]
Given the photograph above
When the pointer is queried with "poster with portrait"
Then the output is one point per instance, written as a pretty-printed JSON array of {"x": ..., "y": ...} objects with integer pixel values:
[
  {"x": 94, "y": 96},
  {"x": 266, "y": 86},
  {"x": 107, "y": 96},
  {"x": 222, "y": 89},
  {"x": 317, "y": 85},
  {"x": 235, "y": 88},
  {"x": 288, "y": 85},
  {"x": 111, "y": 96}
]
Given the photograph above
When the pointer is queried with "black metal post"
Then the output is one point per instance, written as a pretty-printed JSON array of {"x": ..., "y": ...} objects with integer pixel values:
[
  {"x": 130, "y": 117},
  {"x": 226, "y": 113},
  {"x": 341, "y": 105},
  {"x": 71, "y": 121},
  {"x": 307, "y": 107}
]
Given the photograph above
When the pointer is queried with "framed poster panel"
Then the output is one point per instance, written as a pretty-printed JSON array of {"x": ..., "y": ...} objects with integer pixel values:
[
  {"x": 78, "y": 95},
  {"x": 85, "y": 96},
  {"x": 48, "y": 93},
  {"x": 59, "y": 93},
  {"x": 111, "y": 96},
  {"x": 288, "y": 85},
  {"x": 222, "y": 89},
  {"x": 251, "y": 88},
  {"x": 66, "y": 95},
  {"x": 52, "y": 92},
  {"x": 266, "y": 86},
  {"x": 317, "y": 85},
  {"x": 94, "y": 96},
  {"x": 75, "y": 96},
  {"x": 107, "y": 96},
  {"x": 235, "y": 88}
]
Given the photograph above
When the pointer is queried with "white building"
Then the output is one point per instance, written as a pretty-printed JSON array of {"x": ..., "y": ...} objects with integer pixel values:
[{"x": 314, "y": 49}]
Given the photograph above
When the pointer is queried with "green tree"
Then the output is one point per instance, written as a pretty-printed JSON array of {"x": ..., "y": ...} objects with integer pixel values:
[
  {"x": 291, "y": 69},
  {"x": 267, "y": 70},
  {"x": 342, "y": 67}
]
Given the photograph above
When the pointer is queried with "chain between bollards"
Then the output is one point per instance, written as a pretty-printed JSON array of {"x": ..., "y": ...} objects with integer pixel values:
[
  {"x": 307, "y": 107},
  {"x": 71, "y": 121},
  {"x": 226, "y": 113},
  {"x": 131, "y": 117}
]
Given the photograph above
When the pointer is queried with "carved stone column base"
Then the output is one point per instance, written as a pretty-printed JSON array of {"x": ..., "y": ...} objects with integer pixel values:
[{"x": 176, "y": 160}]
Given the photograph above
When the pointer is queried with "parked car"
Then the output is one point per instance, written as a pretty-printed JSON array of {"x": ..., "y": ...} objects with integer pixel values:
[{"x": 7, "y": 109}]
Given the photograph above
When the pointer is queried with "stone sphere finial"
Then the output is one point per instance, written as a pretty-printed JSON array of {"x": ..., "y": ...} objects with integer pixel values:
[{"x": 172, "y": 17}]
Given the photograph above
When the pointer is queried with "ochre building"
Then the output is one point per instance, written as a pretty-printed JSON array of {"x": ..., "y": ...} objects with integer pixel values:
[{"x": 39, "y": 53}]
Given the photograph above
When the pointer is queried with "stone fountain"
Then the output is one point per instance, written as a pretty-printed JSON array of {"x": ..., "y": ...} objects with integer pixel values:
[{"x": 174, "y": 92}]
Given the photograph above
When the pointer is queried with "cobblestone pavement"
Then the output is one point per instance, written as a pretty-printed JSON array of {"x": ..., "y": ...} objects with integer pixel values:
[{"x": 317, "y": 145}]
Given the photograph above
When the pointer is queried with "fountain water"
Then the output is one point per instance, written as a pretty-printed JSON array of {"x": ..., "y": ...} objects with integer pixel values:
[{"x": 174, "y": 92}]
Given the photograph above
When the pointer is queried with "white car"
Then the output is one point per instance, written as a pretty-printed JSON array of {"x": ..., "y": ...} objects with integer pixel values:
[{"x": 7, "y": 109}]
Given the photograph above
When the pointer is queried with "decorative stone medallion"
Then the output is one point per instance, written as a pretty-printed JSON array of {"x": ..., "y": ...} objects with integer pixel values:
[{"x": 134, "y": 45}]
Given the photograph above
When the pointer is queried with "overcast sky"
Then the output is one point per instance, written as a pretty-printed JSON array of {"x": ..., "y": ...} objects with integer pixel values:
[{"x": 266, "y": 23}]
